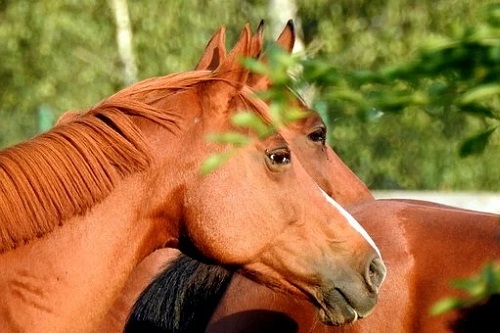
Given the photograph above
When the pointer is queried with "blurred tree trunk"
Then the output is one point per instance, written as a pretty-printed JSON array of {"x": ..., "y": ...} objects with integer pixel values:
[
  {"x": 282, "y": 11},
  {"x": 124, "y": 40}
]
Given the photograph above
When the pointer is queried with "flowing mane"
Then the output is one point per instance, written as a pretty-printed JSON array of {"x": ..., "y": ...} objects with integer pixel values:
[
  {"x": 69, "y": 169},
  {"x": 66, "y": 171}
]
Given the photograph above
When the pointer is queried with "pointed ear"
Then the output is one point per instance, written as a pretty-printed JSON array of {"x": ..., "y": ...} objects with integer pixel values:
[
  {"x": 231, "y": 69},
  {"x": 286, "y": 40},
  {"x": 258, "y": 40},
  {"x": 215, "y": 51},
  {"x": 227, "y": 80},
  {"x": 287, "y": 37}
]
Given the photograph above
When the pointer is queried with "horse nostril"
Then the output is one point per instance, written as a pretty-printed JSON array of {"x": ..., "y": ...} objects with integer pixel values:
[{"x": 375, "y": 273}]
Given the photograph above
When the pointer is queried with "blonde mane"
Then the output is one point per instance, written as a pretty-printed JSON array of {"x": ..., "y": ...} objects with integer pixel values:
[{"x": 66, "y": 171}]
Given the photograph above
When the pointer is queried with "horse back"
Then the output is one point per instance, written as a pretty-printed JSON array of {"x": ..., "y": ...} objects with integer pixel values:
[{"x": 437, "y": 244}]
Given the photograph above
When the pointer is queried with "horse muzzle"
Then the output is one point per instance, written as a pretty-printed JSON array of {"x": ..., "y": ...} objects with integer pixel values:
[{"x": 351, "y": 298}]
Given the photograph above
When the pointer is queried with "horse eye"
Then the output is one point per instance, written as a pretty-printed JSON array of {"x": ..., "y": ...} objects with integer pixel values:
[
  {"x": 318, "y": 136},
  {"x": 279, "y": 157}
]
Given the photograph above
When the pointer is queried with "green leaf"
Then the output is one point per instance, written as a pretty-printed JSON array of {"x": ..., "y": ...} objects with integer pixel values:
[
  {"x": 294, "y": 114},
  {"x": 246, "y": 119},
  {"x": 478, "y": 110},
  {"x": 255, "y": 65},
  {"x": 480, "y": 92},
  {"x": 214, "y": 161},
  {"x": 474, "y": 287},
  {"x": 476, "y": 144},
  {"x": 233, "y": 138},
  {"x": 446, "y": 305}
]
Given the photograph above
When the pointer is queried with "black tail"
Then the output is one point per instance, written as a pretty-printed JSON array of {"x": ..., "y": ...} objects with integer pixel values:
[{"x": 181, "y": 299}]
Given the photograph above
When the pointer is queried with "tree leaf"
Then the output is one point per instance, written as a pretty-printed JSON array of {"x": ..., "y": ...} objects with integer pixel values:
[
  {"x": 478, "y": 110},
  {"x": 251, "y": 120},
  {"x": 479, "y": 92},
  {"x": 214, "y": 161},
  {"x": 255, "y": 65},
  {"x": 446, "y": 305},
  {"x": 476, "y": 144},
  {"x": 233, "y": 138}
]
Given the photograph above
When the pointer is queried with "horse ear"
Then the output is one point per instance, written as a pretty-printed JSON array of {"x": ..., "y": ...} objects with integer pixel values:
[
  {"x": 215, "y": 51},
  {"x": 67, "y": 117},
  {"x": 231, "y": 69},
  {"x": 258, "y": 40},
  {"x": 286, "y": 40},
  {"x": 287, "y": 37}
]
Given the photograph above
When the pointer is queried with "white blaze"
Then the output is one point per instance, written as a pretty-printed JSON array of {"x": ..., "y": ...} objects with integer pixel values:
[{"x": 352, "y": 221}]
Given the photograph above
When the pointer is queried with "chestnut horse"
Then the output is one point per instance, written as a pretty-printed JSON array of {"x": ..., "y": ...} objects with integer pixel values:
[
  {"x": 306, "y": 136},
  {"x": 84, "y": 203},
  {"x": 425, "y": 246}
]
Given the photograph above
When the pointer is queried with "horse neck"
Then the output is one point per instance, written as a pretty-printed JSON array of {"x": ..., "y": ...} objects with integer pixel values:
[
  {"x": 78, "y": 269},
  {"x": 346, "y": 188}
]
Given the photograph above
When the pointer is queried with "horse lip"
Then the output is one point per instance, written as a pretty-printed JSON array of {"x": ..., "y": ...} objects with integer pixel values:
[{"x": 327, "y": 315}]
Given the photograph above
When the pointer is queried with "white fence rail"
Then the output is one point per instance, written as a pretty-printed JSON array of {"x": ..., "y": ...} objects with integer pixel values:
[{"x": 480, "y": 201}]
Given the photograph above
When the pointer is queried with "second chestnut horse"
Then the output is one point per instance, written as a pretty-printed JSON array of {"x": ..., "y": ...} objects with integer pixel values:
[{"x": 425, "y": 246}]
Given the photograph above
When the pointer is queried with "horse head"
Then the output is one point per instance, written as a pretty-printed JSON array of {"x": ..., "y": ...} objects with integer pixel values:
[{"x": 260, "y": 212}]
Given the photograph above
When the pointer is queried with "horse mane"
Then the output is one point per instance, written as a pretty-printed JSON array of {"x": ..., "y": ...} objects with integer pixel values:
[
  {"x": 67, "y": 170},
  {"x": 180, "y": 299}
]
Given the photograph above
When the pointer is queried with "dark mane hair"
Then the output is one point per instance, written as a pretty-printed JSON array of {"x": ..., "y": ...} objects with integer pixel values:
[{"x": 180, "y": 299}]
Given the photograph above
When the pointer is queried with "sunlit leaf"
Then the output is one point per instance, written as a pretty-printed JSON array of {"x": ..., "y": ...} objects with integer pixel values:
[
  {"x": 478, "y": 289},
  {"x": 234, "y": 138},
  {"x": 474, "y": 287},
  {"x": 213, "y": 161},
  {"x": 446, "y": 305},
  {"x": 251, "y": 120},
  {"x": 255, "y": 65},
  {"x": 480, "y": 92}
]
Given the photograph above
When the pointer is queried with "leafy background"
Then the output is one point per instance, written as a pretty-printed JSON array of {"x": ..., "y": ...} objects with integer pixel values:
[{"x": 61, "y": 54}]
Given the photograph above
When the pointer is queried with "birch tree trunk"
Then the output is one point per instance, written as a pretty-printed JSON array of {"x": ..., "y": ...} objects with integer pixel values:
[
  {"x": 124, "y": 40},
  {"x": 282, "y": 11}
]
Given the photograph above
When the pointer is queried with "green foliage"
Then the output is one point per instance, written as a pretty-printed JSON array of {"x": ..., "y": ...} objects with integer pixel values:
[
  {"x": 250, "y": 120},
  {"x": 214, "y": 161},
  {"x": 476, "y": 144},
  {"x": 458, "y": 74},
  {"x": 281, "y": 108},
  {"x": 390, "y": 97},
  {"x": 478, "y": 289},
  {"x": 63, "y": 54}
]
